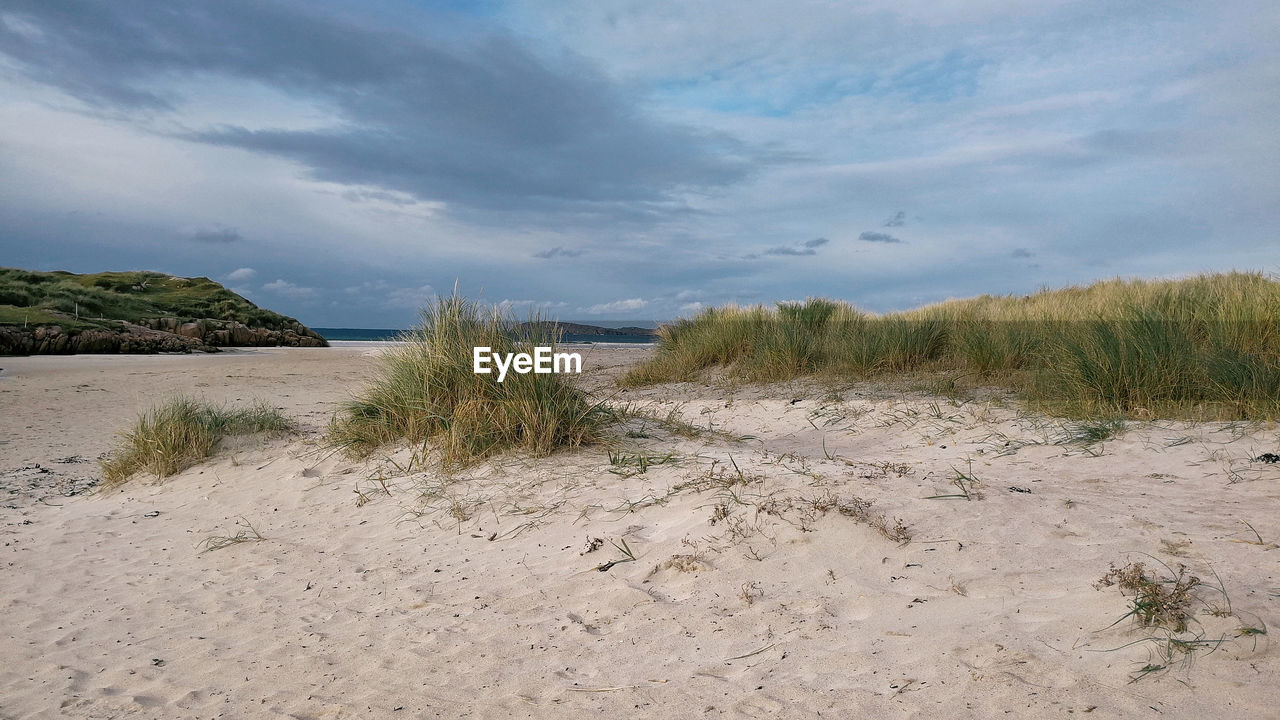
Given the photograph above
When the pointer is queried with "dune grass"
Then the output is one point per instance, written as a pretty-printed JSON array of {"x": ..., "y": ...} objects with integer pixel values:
[
  {"x": 427, "y": 390},
  {"x": 1203, "y": 347},
  {"x": 179, "y": 433}
]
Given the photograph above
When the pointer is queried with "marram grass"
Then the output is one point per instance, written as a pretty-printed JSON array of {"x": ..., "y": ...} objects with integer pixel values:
[
  {"x": 179, "y": 433},
  {"x": 427, "y": 390},
  {"x": 1202, "y": 347}
]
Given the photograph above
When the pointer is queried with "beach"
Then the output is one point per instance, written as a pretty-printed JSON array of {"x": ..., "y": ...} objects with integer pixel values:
[{"x": 799, "y": 550}]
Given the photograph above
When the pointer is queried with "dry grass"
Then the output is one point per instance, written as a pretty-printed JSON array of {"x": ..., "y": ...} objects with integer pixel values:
[
  {"x": 179, "y": 433},
  {"x": 218, "y": 542},
  {"x": 1164, "y": 603},
  {"x": 1154, "y": 602}
]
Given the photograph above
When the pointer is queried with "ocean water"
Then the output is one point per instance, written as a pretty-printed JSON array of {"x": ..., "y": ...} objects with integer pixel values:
[
  {"x": 364, "y": 334},
  {"x": 382, "y": 335}
]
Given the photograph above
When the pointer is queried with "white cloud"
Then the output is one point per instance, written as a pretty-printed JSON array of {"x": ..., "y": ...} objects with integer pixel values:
[
  {"x": 241, "y": 274},
  {"x": 287, "y": 289},
  {"x": 617, "y": 306},
  {"x": 509, "y": 306}
]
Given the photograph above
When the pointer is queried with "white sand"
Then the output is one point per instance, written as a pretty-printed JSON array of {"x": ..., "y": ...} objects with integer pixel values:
[{"x": 470, "y": 595}]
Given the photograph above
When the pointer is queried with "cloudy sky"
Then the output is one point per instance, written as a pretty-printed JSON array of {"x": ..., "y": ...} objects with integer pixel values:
[{"x": 607, "y": 159}]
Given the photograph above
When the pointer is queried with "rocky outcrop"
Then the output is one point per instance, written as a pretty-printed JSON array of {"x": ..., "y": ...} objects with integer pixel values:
[
  {"x": 229, "y": 333},
  {"x": 154, "y": 335},
  {"x": 128, "y": 338}
]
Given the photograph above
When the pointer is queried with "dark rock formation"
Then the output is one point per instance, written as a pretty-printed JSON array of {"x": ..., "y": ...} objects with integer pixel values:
[
  {"x": 229, "y": 333},
  {"x": 129, "y": 338},
  {"x": 154, "y": 335}
]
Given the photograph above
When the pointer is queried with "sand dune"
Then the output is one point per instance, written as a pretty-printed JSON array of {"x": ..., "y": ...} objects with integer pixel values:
[{"x": 760, "y": 585}]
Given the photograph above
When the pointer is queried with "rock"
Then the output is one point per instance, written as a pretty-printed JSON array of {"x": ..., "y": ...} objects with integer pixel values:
[
  {"x": 151, "y": 335},
  {"x": 240, "y": 334}
]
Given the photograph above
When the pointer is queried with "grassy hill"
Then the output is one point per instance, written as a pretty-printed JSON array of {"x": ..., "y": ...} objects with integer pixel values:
[
  {"x": 139, "y": 311},
  {"x": 55, "y": 298}
]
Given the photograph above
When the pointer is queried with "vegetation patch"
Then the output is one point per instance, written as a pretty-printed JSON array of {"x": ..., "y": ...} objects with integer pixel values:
[
  {"x": 1202, "y": 347},
  {"x": 94, "y": 300},
  {"x": 179, "y": 433},
  {"x": 427, "y": 390},
  {"x": 1154, "y": 602}
]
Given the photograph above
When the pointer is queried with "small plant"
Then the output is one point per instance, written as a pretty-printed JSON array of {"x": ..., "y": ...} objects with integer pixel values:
[
  {"x": 672, "y": 421},
  {"x": 1253, "y": 632},
  {"x": 180, "y": 432},
  {"x": 625, "y": 549},
  {"x": 1169, "y": 649},
  {"x": 1258, "y": 538},
  {"x": 217, "y": 542},
  {"x": 1154, "y": 602},
  {"x": 1165, "y": 603},
  {"x": 626, "y": 464},
  {"x": 1089, "y": 432},
  {"x": 966, "y": 483},
  {"x": 863, "y": 512}
]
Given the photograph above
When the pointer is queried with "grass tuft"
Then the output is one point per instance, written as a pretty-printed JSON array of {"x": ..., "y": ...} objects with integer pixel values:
[
  {"x": 218, "y": 542},
  {"x": 179, "y": 433},
  {"x": 427, "y": 390}
]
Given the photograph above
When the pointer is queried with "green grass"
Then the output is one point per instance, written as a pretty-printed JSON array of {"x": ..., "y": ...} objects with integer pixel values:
[
  {"x": 1092, "y": 431},
  {"x": 427, "y": 390},
  {"x": 57, "y": 296},
  {"x": 35, "y": 316},
  {"x": 179, "y": 433},
  {"x": 1203, "y": 347}
]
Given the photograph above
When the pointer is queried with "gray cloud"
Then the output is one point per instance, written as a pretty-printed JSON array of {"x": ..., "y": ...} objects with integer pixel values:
[
  {"x": 557, "y": 252},
  {"x": 808, "y": 247},
  {"x": 458, "y": 144},
  {"x": 216, "y": 234},
  {"x": 484, "y": 122},
  {"x": 366, "y": 195},
  {"x": 1020, "y": 253}
]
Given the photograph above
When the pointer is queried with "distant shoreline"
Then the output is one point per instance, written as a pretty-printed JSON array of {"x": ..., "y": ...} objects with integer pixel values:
[{"x": 572, "y": 334}]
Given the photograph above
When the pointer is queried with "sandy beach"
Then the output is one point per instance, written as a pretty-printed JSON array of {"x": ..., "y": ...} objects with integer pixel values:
[{"x": 760, "y": 585}]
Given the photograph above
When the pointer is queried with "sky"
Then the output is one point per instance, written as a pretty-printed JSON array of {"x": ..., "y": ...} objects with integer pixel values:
[{"x": 345, "y": 162}]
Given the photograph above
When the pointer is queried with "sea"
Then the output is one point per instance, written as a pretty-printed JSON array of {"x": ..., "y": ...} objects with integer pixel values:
[{"x": 390, "y": 335}]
